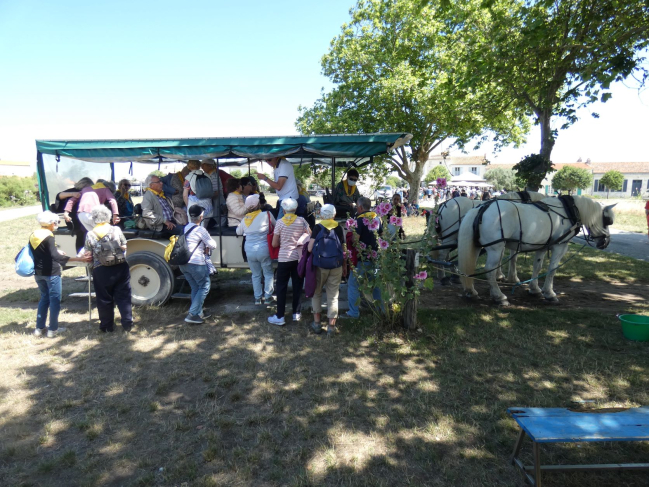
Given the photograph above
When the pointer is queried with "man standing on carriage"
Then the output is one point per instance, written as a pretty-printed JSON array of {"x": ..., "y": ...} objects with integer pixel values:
[{"x": 346, "y": 194}]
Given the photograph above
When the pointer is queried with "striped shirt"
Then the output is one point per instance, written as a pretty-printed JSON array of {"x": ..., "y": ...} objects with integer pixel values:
[{"x": 288, "y": 237}]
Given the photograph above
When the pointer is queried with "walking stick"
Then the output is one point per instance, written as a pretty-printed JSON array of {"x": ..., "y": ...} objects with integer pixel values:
[{"x": 89, "y": 296}]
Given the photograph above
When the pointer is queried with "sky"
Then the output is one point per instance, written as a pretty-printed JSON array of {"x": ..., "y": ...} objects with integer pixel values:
[{"x": 155, "y": 69}]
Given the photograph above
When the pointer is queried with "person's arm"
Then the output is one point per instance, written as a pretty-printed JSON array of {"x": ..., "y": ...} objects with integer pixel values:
[
  {"x": 239, "y": 229},
  {"x": 276, "y": 235},
  {"x": 64, "y": 195},
  {"x": 69, "y": 205},
  {"x": 276, "y": 185},
  {"x": 314, "y": 235},
  {"x": 206, "y": 238},
  {"x": 186, "y": 195}
]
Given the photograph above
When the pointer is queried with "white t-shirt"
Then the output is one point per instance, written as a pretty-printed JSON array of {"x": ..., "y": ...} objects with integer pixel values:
[{"x": 289, "y": 190}]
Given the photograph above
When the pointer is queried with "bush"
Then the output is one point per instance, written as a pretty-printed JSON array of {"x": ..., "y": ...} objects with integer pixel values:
[{"x": 17, "y": 191}]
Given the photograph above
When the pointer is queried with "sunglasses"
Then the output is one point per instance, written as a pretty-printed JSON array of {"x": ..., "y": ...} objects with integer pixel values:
[
  {"x": 353, "y": 179},
  {"x": 127, "y": 185}
]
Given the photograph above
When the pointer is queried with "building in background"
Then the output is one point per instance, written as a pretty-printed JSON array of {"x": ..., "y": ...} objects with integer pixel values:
[
  {"x": 458, "y": 165},
  {"x": 17, "y": 168}
]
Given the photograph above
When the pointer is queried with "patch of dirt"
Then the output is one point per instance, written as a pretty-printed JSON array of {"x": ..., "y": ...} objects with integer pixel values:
[{"x": 609, "y": 297}]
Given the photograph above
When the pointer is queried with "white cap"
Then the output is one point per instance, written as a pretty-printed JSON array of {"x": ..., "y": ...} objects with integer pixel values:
[{"x": 289, "y": 204}]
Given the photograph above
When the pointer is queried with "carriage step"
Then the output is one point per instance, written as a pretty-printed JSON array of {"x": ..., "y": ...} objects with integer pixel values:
[
  {"x": 81, "y": 295},
  {"x": 181, "y": 296}
]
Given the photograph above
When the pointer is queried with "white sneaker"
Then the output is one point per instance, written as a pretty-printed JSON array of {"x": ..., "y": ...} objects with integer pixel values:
[
  {"x": 39, "y": 332},
  {"x": 274, "y": 320},
  {"x": 297, "y": 316},
  {"x": 52, "y": 334}
]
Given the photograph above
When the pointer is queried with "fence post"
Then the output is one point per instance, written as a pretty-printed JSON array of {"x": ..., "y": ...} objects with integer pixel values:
[{"x": 410, "y": 309}]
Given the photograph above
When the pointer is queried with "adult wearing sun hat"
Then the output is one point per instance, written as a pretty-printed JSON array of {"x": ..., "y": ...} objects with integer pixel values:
[
  {"x": 327, "y": 278},
  {"x": 47, "y": 272},
  {"x": 291, "y": 233},
  {"x": 255, "y": 226}
]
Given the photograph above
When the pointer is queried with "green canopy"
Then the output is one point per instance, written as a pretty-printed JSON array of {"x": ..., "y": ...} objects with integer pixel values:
[{"x": 353, "y": 146}]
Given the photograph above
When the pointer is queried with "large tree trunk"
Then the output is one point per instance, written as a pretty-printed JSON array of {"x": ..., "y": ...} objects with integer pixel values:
[
  {"x": 547, "y": 137},
  {"x": 414, "y": 180}
]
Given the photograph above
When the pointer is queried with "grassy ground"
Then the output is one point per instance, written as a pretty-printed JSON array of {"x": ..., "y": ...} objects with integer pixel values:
[{"x": 238, "y": 402}]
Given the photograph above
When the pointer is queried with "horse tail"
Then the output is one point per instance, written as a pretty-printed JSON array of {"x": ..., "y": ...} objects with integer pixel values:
[{"x": 467, "y": 251}]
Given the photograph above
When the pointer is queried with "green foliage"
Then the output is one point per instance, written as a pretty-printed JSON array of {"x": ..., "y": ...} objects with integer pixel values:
[
  {"x": 237, "y": 173},
  {"x": 394, "y": 181},
  {"x": 552, "y": 58},
  {"x": 571, "y": 178},
  {"x": 158, "y": 173},
  {"x": 612, "y": 180},
  {"x": 15, "y": 190},
  {"x": 389, "y": 276},
  {"x": 531, "y": 170},
  {"x": 438, "y": 171},
  {"x": 398, "y": 67},
  {"x": 503, "y": 178}
]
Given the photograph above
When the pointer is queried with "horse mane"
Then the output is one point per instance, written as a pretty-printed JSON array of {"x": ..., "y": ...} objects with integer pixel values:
[{"x": 590, "y": 211}]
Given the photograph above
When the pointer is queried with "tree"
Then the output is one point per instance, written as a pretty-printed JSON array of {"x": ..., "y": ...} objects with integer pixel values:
[
  {"x": 437, "y": 172},
  {"x": 237, "y": 173},
  {"x": 393, "y": 181},
  {"x": 396, "y": 67},
  {"x": 531, "y": 171},
  {"x": 569, "y": 178},
  {"x": 553, "y": 57},
  {"x": 502, "y": 178},
  {"x": 612, "y": 180}
]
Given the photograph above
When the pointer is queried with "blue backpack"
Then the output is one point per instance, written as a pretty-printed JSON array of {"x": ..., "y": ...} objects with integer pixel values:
[
  {"x": 327, "y": 250},
  {"x": 25, "y": 262}
]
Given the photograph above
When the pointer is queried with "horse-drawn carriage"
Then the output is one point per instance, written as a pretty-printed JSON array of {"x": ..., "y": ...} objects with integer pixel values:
[{"x": 153, "y": 280}]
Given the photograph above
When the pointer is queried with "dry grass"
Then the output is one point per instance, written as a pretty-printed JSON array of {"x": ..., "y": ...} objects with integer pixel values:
[{"x": 238, "y": 402}]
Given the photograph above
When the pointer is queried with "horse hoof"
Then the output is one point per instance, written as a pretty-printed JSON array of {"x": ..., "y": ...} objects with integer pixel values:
[
  {"x": 552, "y": 300},
  {"x": 469, "y": 295},
  {"x": 535, "y": 294},
  {"x": 445, "y": 281},
  {"x": 503, "y": 303}
]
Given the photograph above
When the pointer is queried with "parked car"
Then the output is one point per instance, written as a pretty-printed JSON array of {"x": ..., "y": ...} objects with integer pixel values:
[{"x": 384, "y": 192}]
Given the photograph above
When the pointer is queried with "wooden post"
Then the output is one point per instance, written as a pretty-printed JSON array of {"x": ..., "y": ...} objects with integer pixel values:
[{"x": 410, "y": 309}]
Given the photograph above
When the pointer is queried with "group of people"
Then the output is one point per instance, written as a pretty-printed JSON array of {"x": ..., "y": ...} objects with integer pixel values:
[
  {"x": 105, "y": 247},
  {"x": 98, "y": 212}
]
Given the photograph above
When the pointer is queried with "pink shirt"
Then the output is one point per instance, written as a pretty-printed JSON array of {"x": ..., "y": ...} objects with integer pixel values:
[{"x": 89, "y": 198}]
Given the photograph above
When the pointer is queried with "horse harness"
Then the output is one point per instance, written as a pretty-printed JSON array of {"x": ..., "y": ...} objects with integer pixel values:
[
  {"x": 523, "y": 195},
  {"x": 568, "y": 203}
]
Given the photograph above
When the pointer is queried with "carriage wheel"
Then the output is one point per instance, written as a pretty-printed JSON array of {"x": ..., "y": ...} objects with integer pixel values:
[{"x": 152, "y": 280}]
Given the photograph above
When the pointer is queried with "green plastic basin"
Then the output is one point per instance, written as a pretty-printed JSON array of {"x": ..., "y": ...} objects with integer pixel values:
[{"x": 635, "y": 327}]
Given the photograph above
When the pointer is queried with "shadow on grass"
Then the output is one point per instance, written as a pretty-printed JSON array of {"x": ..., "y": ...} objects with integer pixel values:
[{"x": 237, "y": 401}]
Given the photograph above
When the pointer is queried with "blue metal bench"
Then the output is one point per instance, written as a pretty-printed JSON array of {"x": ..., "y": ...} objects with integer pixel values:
[{"x": 560, "y": 425}]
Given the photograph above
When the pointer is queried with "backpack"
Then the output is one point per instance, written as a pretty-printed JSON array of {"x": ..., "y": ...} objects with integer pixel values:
[
  {"x": 108, "y": 251},
  {"x": 201, "y": 185},
  {"x": 327, "y": 250},
  {"x": 177, "y": 252},
  {"x": 25, "y": 262}
]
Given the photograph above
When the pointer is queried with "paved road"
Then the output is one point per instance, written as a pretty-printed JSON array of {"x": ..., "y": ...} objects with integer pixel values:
[
  {"x": 13, "y": 213},
  {"x": 627, "y": 243}
]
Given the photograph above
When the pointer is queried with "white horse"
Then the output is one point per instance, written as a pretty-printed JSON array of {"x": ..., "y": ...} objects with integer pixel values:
[
  {"x": 447, "y": 221},
  {"x": 526, "y": 228}
]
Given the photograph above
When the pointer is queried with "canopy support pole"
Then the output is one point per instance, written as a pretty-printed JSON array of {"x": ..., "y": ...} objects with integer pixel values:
[
  {"x": 333, "y": 176},
  {"x": 218, "y": 215},
  {"x": 112, "y": 171},
  {"x": 42, "y": 184},
  {"x": 248, "y": 167}
]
